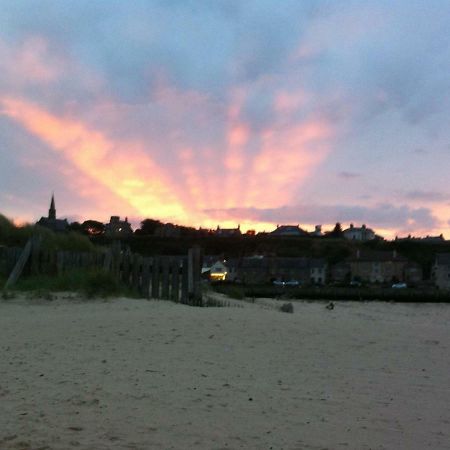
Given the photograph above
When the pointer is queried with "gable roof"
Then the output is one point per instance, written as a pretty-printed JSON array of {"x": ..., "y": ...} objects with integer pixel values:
[{"x": 289, "y": 230}]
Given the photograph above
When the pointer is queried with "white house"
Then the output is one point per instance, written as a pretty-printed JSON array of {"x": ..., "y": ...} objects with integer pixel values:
[{"x": 359, "y": 233}]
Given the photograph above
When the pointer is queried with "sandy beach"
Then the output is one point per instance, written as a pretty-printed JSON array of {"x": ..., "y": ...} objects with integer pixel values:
[{"x": 138, "y": 374}]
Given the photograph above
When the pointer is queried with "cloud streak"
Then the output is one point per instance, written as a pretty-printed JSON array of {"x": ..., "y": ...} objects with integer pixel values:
[{"x": 232, "y": 111}]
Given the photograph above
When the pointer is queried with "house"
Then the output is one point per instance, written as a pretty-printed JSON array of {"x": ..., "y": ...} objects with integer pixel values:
[
  {"x": 340, "y": 272},
  {"x": 214, "y": 268},
  {"x": 441, "y": 271},
  {"x": 228, "y": 232},
  {"x": 377, "y": 266},
  {"x": 289, "y": 230},
  {"x": 290, "y": 269},
  {"x": 253, "y": 270},
  {"x": 413, "y": 273},
  {"x": 117, "y": 227},
  {"x": 51, "y": 222},
  {"x": 359, "y": 233},
  {"x": 317, "y": 231},
  {"x": 318, "y": 269},
  {"x": 262, "y": 269}
]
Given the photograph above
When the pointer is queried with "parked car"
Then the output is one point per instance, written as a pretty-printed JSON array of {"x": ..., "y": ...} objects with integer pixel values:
[
  {"x": 399, "y": 286},
  {"x": 286, "y": 283}
]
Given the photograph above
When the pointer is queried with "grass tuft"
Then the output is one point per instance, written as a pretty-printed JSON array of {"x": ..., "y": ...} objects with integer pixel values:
[{"x": 90, "y": 283}]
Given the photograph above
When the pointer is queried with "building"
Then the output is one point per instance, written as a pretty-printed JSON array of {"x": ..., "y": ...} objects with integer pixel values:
[
  {"x": 377, "y": 266},
  {"x": 318, "y": 268},
  {"x": 214, "y": 268},
  {"x": 51, "y": 222},
  {"x": 441, "y": 271},
  {"x": 361, "y": 234},
  {"x": 289, "y": 230},
  {"x": 117, "y": 227},
  {"x": 228, "y": 232},
  {"x": 262, "y": 269},
  {"x": 317, "y": 231},
  {"x": 424, "y": 240}
]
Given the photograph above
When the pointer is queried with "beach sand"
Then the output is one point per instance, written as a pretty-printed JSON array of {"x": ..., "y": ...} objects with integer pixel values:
[{"x": 138, "y": 374}]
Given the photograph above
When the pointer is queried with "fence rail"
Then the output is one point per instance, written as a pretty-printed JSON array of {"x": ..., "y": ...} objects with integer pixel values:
[{"x": 175, "y": 278}]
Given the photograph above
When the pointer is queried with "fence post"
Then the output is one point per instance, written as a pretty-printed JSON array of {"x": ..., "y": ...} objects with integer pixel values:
[
  {"x": 165, "y": 279},
  {"x": 175, "y": 288},
  {"x": 20, "y": 264},
  {"x": 155, "y": 277},
  {"x": 145, "y": 285},
  {"x": 35, "y": 254},
  {"x": 194, "y": 276},
  {"x": 135, "y": 272},
  {"x": 185, "y": 281},
  {"x": 126, "y": 268},
  {"x": 115, "y": 258}
]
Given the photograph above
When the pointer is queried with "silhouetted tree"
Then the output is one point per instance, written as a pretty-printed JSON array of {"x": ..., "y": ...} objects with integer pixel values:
[
  {"x": 93, "y": 227},
  {"x": 148, "y": 227},
  {"x": 75, "y": 226},
  {"x": 336, "y": 232}
]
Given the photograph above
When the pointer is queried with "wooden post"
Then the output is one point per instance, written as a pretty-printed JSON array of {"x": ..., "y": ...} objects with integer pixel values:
[
  {"x": 175, "y": 288},
  {"x": 165, "y": 279},
  {"x": 194, "y": 279},
  {"x": 155, "y": 277},
  {"x": 115, "y": 258},
  {"x": 18, "y": 268},
  {"x": 126, "y": 268},
  {"x": 145, "y": 285},
  {"x": 135, "y": 272},
  {"x": 107, "y": 261},
  {"x": 35, "y": 254},
  {"x": 185, "y": 282}
]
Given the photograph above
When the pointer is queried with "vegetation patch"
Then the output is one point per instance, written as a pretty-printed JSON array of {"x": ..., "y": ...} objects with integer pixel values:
[{"x": 90, "y": 283}]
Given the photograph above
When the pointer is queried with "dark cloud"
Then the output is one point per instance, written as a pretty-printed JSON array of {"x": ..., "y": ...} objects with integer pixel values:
[
  {"x": 348, "y": 175},
  {"x": 427, "y": 196}
]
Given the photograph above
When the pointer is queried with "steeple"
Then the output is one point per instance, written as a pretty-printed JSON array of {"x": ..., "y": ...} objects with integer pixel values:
[{"x": 52, "y": 210}]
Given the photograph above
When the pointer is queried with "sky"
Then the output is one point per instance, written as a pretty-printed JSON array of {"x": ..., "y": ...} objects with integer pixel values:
[{"x": 226, "y": 112}]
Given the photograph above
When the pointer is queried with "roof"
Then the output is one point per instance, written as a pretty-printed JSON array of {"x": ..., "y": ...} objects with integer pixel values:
[
  {"x": 376, "y": 256},
  {"x": 289, "y": 230},
  {"x": 228, "y": 232},
  {"x": 53, "y": 224}
]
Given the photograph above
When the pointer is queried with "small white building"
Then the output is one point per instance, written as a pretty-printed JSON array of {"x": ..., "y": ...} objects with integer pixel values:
[
  {"x": 318, "y": 271},
  {"x": 359, "y": 233},
  {"x": 215, "y": 270}
]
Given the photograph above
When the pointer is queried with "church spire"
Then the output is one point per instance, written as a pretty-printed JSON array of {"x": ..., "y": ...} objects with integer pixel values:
[{"x": 52, "y": 210}]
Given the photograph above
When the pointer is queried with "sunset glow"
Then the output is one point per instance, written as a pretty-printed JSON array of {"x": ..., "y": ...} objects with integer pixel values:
[{"x": 247, "y": 115}]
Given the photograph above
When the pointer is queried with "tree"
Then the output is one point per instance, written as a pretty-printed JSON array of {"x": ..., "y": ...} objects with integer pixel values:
[
  {"x": 75, "y": 226},
  {"x": 93, "y": 227},
  {"x": 149, "y": 226},
  {"x": 336, "y": 232}
]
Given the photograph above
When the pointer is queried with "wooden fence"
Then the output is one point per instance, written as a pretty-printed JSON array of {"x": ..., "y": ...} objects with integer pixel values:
[{"x": 176, "y": 278}]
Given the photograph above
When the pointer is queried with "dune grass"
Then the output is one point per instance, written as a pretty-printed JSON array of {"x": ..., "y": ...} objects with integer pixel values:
[{"x": 90, "y": 283}]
